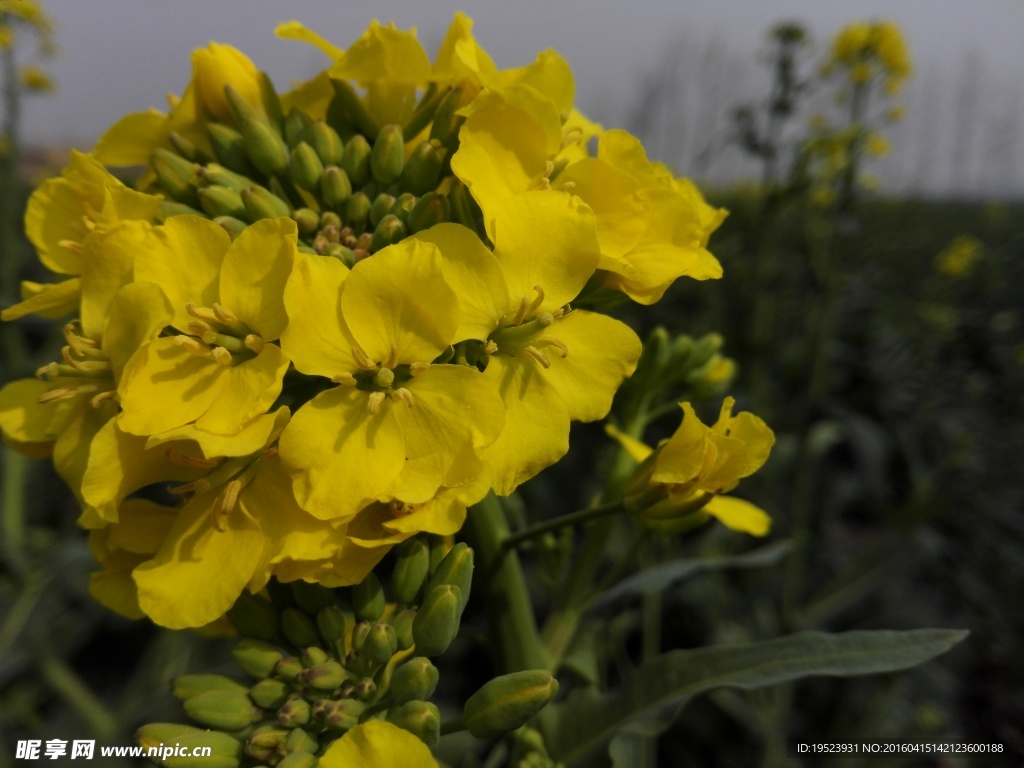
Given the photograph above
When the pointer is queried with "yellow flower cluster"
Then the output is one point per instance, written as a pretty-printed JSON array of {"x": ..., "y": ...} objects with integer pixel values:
[
  {"x": 959, "y": 257},
  {"x": 866, "y": 50},
  {"x": 331, "y": 319}
]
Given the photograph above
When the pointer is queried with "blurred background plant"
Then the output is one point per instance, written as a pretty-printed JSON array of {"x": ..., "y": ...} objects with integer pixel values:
[{"x": 881, "y": 339}]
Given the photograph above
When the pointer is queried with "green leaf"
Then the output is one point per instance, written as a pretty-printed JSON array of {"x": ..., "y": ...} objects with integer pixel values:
[
  {"x": 659, "y": 578},
  {"x": 587, "y": 719}
]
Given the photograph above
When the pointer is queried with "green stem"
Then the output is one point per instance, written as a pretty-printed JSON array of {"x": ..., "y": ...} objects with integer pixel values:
[
  {"x": 509, "y": 607},
  {"x": 453, "y": 726},
  {"x": 66, "y": 684},
  {"x": 574, "y": 518},
  {"x": 13, "y": 513}
]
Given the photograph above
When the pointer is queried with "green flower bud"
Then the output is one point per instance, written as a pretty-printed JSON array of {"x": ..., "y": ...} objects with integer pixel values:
[
  {"x": 221, "y": 710},
  {"x": 263, "y": 204},
  {"x": 388, "y": 155},
  {"x": 331, "y": 219},
  {"x": 420, "y": 718},
  {"x": 305, "y": 167},
  {"x": 177, "y": 176},
  {"x": 424, "y": 113},
  {"x": 390, "y": 231},
  {"x": 437, "y": 620},
  {"x": 464, "y": 209},
  {"x": 416, "y": 679},
  {"x": 253, "y": 616},
  {"x": 344, "y": 714},
  {"x": 507, "y": 702},
  {"x": 294, "y": 712},
  {"x": 357, "y": 210},
  {"x": 326, "y": 676},
  {"x": 288, "y": 668},
  {"x": 266, "y": 742},
  {"x": 311, "y": 597},
  {"x": 355, "y": 161},
  {"x": 214, "y": 174},
  {"x": 234, "y": 227},
  {"x": 229, "y": 147},
  {"x": 225, "y": 752},
  {"x": 257, "y": 657},
  {"x": 423, "y": 171},
  {"x": 298, "y": 628},
  {"x": 410, "y": 571},
  {"x": 271, "y": 102},
  {"x": 333, "y": 624},
  {"x": 312, "y": 656},
  {"x": 263, "y": 143},
  {"x": 704, "y": 348},
  {"x": 327, "y": 143},
  {"x": 446, "y": 123},
  {"x": 359, "y": 633},
  {"x": 183, "y": 146},
  {"x": 365, "y": 689},
  {"x": 270, "y": 693},
  {"x": 300, "y": 741},
  {"x": 381, "y": 205},
  {"x": 682, "y": 348},
  {"x": 297, "y": 128},
  {"x": 433, "y": 208},
  {"x": 221, "y": 201},
  {"x": 438, "y": 547},
  {"x": 456, "y": 568},
  {"x": 345, "y": 255},
  {"x": 335, "y": 186},
  {"x": 307, "y": 220},
  {"x": 403, "y": 205},
  {"x": 184, "y": 687},
  {"x": 168, "y": 209},
  {"x": 368, "y": 598},
  {"x": 402, "y": 622},
  {"x": 380, "y": 644},
  {"x": 299, "y": 759}
]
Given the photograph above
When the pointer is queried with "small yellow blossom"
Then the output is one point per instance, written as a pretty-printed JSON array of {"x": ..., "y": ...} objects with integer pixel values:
[
  {"x": 959, "y": 257},
  {"x": 35, "y": 79},
  {"x": 380, "y": 744}
]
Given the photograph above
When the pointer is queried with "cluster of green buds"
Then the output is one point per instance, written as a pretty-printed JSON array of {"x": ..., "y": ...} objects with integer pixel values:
[
  {"x": 670, "y": 363},
  {"x": 327, "y": 660},
  {"x": 351, "y": 187}
]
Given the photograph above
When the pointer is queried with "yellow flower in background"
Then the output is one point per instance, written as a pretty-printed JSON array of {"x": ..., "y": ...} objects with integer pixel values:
[
  {"x": 550, "y": 366},
  {"x": 864, "y": 49},
  {"x": 228, "y": 301},
  {"x": 396, "y": 425},
  {"x": 36, "y": 79},
  {"x": 679, "y": 484},
  {"x": 959, "y": 257},
  {"x": 380, "y": 744}
]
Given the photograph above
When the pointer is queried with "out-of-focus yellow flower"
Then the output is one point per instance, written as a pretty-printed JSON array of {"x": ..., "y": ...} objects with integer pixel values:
[
  {"x": 380, "y": 744},
  {"x": 865, "y": 49},
  {"x": 897, "y": 112},
  {"x": 959, "y": 257},
  {"x": 35, "y": 78},
  {"x": 679, "y": 484}
]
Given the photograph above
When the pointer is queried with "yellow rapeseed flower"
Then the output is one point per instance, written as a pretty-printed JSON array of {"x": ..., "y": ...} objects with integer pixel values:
[{"x": 380, "y": 744}]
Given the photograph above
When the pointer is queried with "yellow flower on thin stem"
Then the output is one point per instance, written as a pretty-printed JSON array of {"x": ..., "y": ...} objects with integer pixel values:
[{"x": 222, "y": 369}]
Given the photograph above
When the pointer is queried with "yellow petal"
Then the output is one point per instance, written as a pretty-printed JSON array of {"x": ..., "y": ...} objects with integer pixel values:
[
  {"x": 215, "y": 68},
  {"x": 475, "y": 276},
  {"x": 73, "y": 447},
  {"x": 380, "y": 744},
  {"x": 254, "y": 436},
  {"x": 132, "y": 139},
  {"x": 199, "y": 571},
  {"x": 23, "y": 418},
  {"x": 164, "y": 386},
  {"x": 340, "y": 456},
  {"x": 184, "y": 258},
  {"x": 682, "y": 457},
  {"x": 615, "y": 198},
  {"x": 142, "y": 527},
  {"x": 549, "y": 75},
  {"x": 254, "y": 273},
  {"x": 114, "y": 588},
  {"x": 54, "y": 216},
  {"x": 109, "y": 261},
  {"x": 313, "y": 97},
  {"x": 49, "y": 300},
  {"x": 384, "y": 53},
  {"x": 547, "y": 239},
  {"x": 444, "y": 514},
  {"x": 602, "y": 352},
  {"x": 460, "y": 56},
  {"x": 137, "y": 314},
  {"x": 248, "y": 390},
  {"x": 536, "y": 432},
  {"x": 399, "y": 303},
  {"x": 316, "y": 338},
  {"x": 296, "y": 30},
  {"x": 636, "y": 449},
  {"x": 739, "y": 515}
]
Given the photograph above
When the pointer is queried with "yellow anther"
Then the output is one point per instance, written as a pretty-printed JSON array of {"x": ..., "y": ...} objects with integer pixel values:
[
  {"x": 566, "y": 186},
  {"x": 553, "y": 343},
  {"x": 415, "y": 369},
  {"x": 196, "y": 486},
  {"x": 88, "y": 223},
  {"x": 200, "y": 328},
  {"x": 226, "y": 316},
  {"x": 345, "y": 378},
  {"x": 535, "y": 304},
  {"x": 221, "y": 355},
  {"x": 520, "y": 315},
  {"x": 269, "y": 453},
  {"x": 572, "y": 135},
  {"x": 61, "y": 393},
  {"x": 230, "y": 497},
  {"x": 490, "y": 347},
  {"x": 179, "y": 457},
  {"x": 362, "y": 360},
  {"x": 376, "y": 398},
  {"x": 194, "y": 346},
  {"x": 254, "y": 343},
  {"x": 392, "y": 360},
  {"x": 50, "y": 370},
  {"x": 404, "y": 395},
  {"x": 201, "y": 313},
  {"x": 537, "y": 356},
  {"x": 543, "y": 179},
  {"x": 384, "y": 378},
  {"x": 71, "y": 245},
  {"x": 99, "y": 399}
]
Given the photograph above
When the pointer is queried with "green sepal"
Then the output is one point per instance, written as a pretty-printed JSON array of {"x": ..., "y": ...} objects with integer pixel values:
[
  {"x": 402, "y": 622},
  {"x": 271, "y": 103},
  {"x": 508, "y": 702},
  {"x": 335, "y": 186},
  {"x": 168, "y": 209},
  {"x": 225, "y": 752},
  {"x": 297, "y": 128},
  {"x": 423, "y": 171},
  {"x": 380, "y": 644},
  {"x": 355, "y": 161},
  {"x": 218, "y": 174},
  {"x": 184, "y": 687},
  {"x": 415, "y": 679},
  {"x": 456, "y": 568},
  {"x": 270, "y": 693},
  {"x": 184, "y": 147},
  {"x": 300, "y": 742},
  {"x": 437, "y": 620},
  {"x": 368, "y": 598},
  {"x": 177, "y": 176},
  {"x": 433, "y": 208},
  {"x": 327, "y": 143},
  {"x": 234, "y": 227},
  {"x": 221, "y": 201},
  {"x": 410, "y": 571},
  {"x": 380, "y": 208},
  {"x": 420, "y": 718},
  {"x": 229, "y": 147},
  {"x": 403, "y": 204},
  {"x": 298, "y": 628},
  {"x": 307, "y": 220},
  {"x": 304, "y": 167},
  {"x": 261, "y": 203},
  {"x": 325, "y": 676},
  {"x": 388, "y": 156},
  {"x": 389, "y": 231},
  {"x": 221, "y": 710},
  {"x": 257, "y": 657},
  {"x": 294, "y": 712}
]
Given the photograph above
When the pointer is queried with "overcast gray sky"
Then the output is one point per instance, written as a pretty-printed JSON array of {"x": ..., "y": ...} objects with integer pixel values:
[{"x": 120, "y": 56}]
